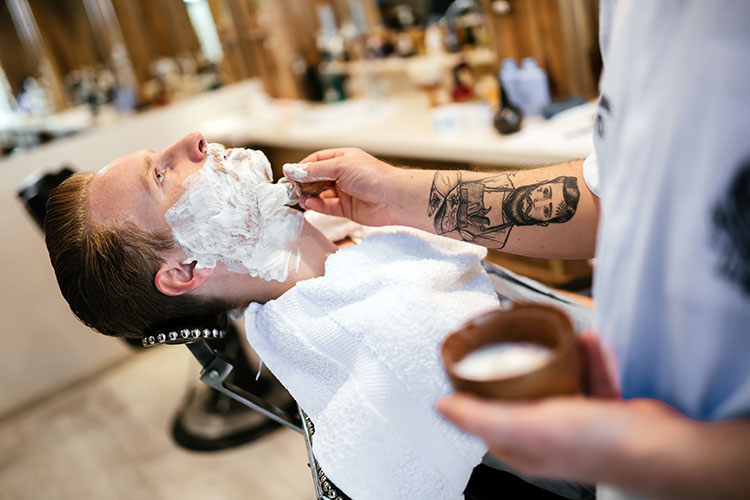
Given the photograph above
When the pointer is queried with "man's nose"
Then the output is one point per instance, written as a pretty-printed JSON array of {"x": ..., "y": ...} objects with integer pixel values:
[{"x": 193, "y": 146}]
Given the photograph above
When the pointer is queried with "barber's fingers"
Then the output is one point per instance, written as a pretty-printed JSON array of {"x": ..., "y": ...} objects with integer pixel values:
[
  {"x": 486, "y": 419},
  {"x": 599, "y": 375},
  {"x": 323, "y": 170},
  {"x": 325, "y": 205},
  {"x": 328, "y": 193},
  {"x": 535, "y": 438},
  {"x": 327, "y": 154}
]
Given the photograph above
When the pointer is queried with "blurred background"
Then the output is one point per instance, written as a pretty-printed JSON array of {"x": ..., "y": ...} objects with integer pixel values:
[
  {"x": 68, "y": 65},
  {"x": 473, "y": 84}
]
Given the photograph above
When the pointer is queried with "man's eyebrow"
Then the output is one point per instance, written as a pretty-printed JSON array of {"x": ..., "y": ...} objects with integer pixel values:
[{"x": 146, "y": 176}]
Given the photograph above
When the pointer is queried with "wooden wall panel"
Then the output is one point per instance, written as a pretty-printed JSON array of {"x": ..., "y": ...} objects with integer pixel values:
[
  {"x": 130, "y": 15},
  {"x": 177, "y": 21},
  {"x": 153, "y": 29},
  {"x": 37, "y": 49},
  {"x": 16, "y": 62},
  {"x": 252, "y": 39},
  {"x": 558, "y": 34},
  {"x": 581, "y": 32},
  {"x": 556, "y": 55},
  {"x": 67, "y": 32},
  {"x": 265, "y": 37},
  {"x": 235, "y": 65}
]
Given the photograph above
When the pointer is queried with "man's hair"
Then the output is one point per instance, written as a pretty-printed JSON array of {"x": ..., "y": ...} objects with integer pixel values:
[
  {"x": 106, "y": 273},
  {"x": 563, "y": 211}
]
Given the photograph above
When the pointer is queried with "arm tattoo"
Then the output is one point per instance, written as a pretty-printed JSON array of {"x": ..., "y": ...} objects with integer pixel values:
[{"x": 484, "y": 210}]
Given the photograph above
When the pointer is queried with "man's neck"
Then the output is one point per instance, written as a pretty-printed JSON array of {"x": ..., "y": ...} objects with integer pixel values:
[{"x": 313, "y": 247}]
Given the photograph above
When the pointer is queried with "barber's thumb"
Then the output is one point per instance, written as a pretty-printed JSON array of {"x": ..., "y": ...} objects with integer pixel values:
[
  {"x": 325, "y": 170},
  {"x": 312, "y": 203},
  {"x": 324, "y": 206},
  {"x": 599, "y": 378},
  {"x": 459, "y": 409}
]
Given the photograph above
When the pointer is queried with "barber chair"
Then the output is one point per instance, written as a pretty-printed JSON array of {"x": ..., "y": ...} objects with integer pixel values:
[
  {"x": 209, "y": 420},
  {"x": 216, "y": 372},
  {"x": 33, "y": 193}
]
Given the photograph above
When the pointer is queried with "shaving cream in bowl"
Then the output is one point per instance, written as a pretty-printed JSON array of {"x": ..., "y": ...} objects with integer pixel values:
[{"x": 525, "y": 352}]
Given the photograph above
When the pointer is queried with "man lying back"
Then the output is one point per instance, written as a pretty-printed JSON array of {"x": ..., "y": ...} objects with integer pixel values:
[
  {"x": 353, "y": 335},
  {"x": 111, "y": 237}
]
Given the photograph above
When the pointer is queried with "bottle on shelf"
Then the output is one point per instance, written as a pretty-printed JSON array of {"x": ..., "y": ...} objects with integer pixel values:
[
  {"x": 534, "y": 88},
  {"x": 509, "y": 81}
]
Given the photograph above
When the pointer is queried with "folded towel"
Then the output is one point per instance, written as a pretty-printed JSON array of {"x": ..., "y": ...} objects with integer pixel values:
[
  {"x": 335, "y": 228},
  {"x": 358, "y": 348}
]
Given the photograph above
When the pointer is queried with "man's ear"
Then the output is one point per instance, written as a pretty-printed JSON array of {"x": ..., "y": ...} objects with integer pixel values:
[{"x": 174, "y": 278}]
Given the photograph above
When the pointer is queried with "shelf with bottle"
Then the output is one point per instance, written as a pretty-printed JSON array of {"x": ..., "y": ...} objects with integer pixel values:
[{"x": 477, "y": 57}]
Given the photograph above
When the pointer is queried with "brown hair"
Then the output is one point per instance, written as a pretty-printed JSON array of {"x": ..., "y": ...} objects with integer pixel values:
[{"x": 106, "y": 273}]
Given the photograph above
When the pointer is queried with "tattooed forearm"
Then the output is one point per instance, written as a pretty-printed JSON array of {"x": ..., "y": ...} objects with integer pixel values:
[{"x": 484, "y": 210}]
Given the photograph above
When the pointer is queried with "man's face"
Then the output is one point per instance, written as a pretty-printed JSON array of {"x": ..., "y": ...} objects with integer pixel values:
[
  {"x": 142, "y": 186},
  {"x": 218, "y": 205},
  {"x": 541, "y": 202}
]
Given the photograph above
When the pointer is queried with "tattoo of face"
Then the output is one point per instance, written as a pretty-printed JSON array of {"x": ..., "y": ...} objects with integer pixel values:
[{"x": 484, "y": 210}]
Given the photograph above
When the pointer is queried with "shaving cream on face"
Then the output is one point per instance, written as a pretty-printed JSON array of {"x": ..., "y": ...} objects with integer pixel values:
[
  {"x": 231, "y": 212},
  {"x": 504, "y": 360}
]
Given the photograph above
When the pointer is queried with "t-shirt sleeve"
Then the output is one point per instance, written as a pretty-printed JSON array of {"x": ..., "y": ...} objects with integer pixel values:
[{"x": 591, "y": 173}]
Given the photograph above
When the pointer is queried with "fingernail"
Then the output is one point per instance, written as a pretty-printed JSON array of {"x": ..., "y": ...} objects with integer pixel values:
[
  {"x": 443, "y": 404},
  {"x": 296, "y": 171}
]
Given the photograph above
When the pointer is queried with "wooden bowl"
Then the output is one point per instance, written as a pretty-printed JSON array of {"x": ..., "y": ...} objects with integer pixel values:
[{"x": 527, "y": 322}]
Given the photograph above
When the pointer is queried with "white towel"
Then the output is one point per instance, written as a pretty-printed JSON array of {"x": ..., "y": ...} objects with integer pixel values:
[{"x": 358, "y": 348}]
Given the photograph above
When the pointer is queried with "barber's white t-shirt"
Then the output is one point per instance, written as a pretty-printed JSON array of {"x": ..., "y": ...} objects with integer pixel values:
[{"x": 672, "y": 140}]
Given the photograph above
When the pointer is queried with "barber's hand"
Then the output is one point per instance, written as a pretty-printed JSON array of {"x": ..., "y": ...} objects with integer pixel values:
[
  {"x": 554, "y": 437},
  {"x": 365, "y": 189},
  {"x": 573, "y": 438},
  {"x": 599, "y": 379}
]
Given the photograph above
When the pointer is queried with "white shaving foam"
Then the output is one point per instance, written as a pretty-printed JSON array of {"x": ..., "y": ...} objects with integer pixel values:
[
  {"x": 232, "y": 213},
  {"x": 296, "y": 171},
  {"x": 503, "y": 360}
]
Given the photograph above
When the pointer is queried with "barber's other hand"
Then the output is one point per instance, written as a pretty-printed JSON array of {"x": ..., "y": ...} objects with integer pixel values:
[
  {"x": 573, "y": 438},
  {"x": 552, "y": 437},
  {"x": 365, "y": 189}
]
